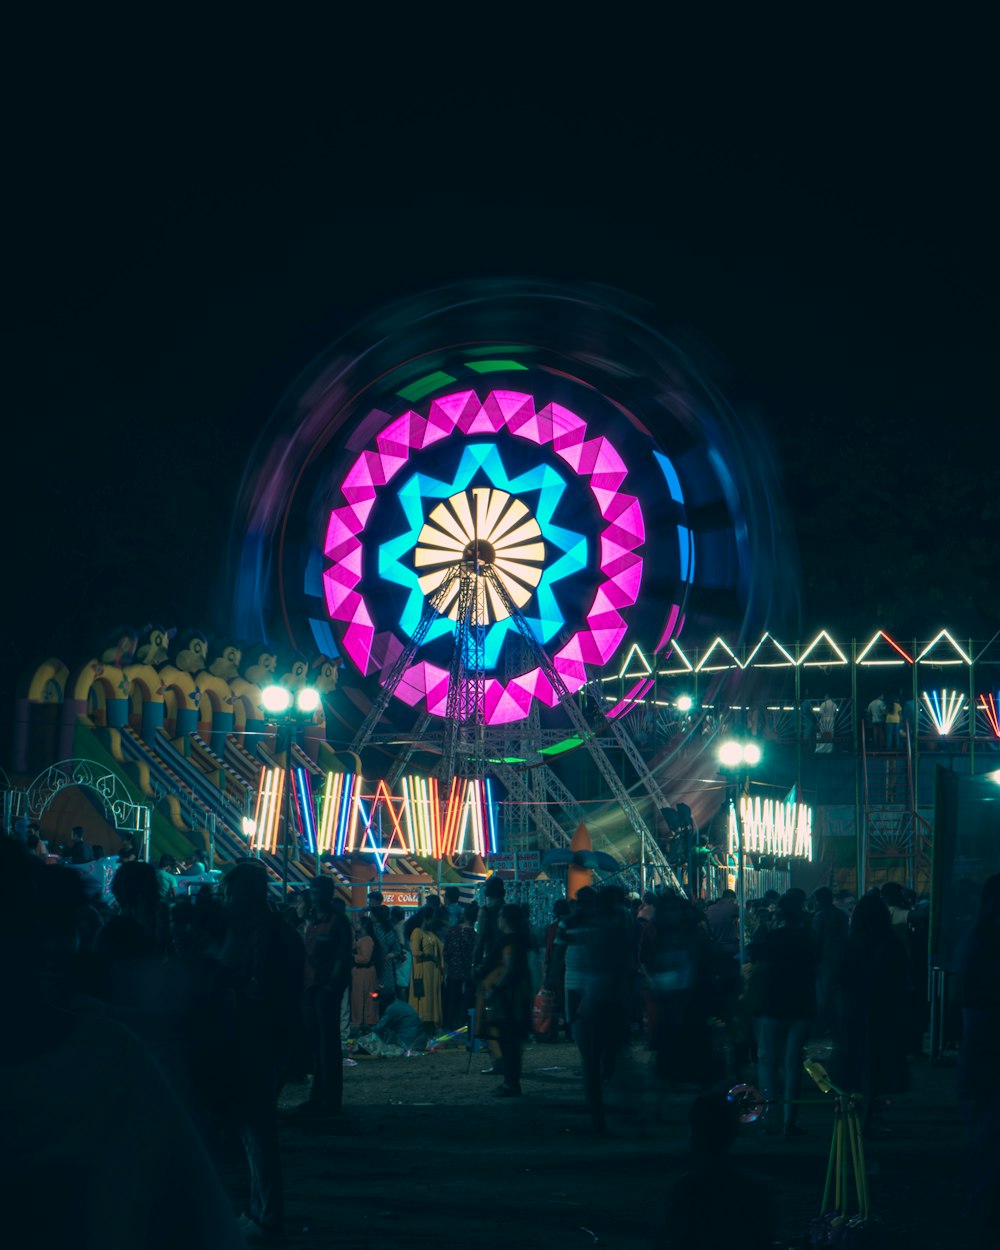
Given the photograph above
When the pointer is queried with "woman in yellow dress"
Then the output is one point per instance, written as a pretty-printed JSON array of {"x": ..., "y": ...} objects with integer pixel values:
[{"x": 427, "y": 976}]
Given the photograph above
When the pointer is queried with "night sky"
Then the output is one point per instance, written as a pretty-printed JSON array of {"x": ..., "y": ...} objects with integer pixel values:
[{"x": 813, "y": 214}]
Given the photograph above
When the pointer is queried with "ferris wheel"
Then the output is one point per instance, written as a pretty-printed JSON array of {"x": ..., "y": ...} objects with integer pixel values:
[{"x": 484, "y": 497}]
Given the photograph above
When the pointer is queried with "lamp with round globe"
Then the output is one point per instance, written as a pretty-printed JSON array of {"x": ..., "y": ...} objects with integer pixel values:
[{"x": 290, "y": 711}]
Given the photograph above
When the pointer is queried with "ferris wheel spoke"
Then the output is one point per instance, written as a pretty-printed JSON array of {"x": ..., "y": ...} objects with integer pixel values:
[
  {"x": 443, "y": 517},
  {"x": 514, "y": 515},
  {"x": 521, "y": 572}
]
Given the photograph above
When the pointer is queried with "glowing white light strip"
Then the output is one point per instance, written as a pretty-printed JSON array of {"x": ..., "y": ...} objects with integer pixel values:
[
  {"x": 770, "y": 663},
  {"x": 719, "y": 642},
  {"x": 931, "y": 645},
  {"x": 772, "y": 827},
  {"x": 904, "y": 658},
  {"x": 944, "y": 709},
  {"x": 646, "y": 669},
  {"x": 675, "y": 649},
  {"x": 841, "y": 658}
]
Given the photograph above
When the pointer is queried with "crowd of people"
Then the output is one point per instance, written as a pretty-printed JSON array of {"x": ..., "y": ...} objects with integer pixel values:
[{"x": 281, "y": 987}]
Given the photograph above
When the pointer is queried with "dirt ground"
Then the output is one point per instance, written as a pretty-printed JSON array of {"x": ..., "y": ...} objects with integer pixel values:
[{"x": 424, "y": 1155}]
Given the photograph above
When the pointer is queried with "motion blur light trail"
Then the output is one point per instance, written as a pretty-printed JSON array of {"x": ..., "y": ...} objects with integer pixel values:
[{"x": 638, "y": 504}]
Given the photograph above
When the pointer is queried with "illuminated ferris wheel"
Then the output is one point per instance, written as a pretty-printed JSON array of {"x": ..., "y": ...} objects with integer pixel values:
[{"x": 483, "y": 512}]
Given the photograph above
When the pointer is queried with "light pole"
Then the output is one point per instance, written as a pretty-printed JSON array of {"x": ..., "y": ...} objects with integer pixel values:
[
  {"x": 290, "y": 711},
  {"x": 736, "y": 759}
]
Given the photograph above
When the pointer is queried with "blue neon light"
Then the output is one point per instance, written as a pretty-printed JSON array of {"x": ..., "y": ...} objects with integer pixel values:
[
  {"x": 670, "y": 473},
  {"x": 491, "y": 823},
  {"x": 685, "y": 542}
]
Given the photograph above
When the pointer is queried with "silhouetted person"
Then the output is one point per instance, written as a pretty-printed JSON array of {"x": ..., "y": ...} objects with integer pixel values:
[
  {"x": 829, "y": 930},
  {"x": 79, "y": 851},
  {"x": 870, "y": 1055},
  {"x": 692, "y": 1219},
  {"x": 723, "y": 917},
  {"x": 785, "y": 958},
  {"x": 978, "y": 964},
  {"x": 604, "y": 1011},
  {"x": 78, "y": 1089},
  {"x": 509, "y": 997},
  {"x": 329, "y": 947},
  {"x": 260, "y": 951},
  {"x": 485, "y": 965}
]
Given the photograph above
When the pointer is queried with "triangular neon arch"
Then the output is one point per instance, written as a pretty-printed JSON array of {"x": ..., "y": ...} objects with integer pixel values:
[{"x": 874, "y": 655}]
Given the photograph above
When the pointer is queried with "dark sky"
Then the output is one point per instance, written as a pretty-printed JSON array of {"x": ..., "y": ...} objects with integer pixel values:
[{"x": 193, "y": 224}]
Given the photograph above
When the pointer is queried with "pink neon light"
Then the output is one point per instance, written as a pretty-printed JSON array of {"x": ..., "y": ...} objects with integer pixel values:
[
  {"x": 595, "y": 459},
  {"x": 630, "y": 700},
  {"x": 668, "y": 632}
]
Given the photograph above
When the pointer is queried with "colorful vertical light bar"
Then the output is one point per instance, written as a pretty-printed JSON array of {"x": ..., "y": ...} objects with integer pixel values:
[
  {"x": 305, "y": 810},
  {"x": 267, "y": 816},
  {"x": 491, "y": 819},
  {"x": 988, "y": 705},
  {"x": 327, "y": 832},
  {"x": 357, "y": 810},
  {"x": 422, "y": 814},
  {"x": 347, "y": 817},
  {"x": 944, "y": 709}
]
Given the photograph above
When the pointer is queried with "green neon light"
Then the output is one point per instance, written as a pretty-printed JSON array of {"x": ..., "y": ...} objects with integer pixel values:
[
  {"x": 495, "y": 366},
  {"x": 569, "y": 745},
  {"x": 424, "y": 386}
]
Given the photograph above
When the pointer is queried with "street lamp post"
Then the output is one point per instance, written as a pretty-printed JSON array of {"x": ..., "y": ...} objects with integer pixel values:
[
  {"x": 736, "y": 759},
  {"x": 291, "y": 712}
]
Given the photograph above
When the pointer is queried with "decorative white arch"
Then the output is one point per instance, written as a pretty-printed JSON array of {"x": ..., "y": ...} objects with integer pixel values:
[{"x": 119, "y": 808}]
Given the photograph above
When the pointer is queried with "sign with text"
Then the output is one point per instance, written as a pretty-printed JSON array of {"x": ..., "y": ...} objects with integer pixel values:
[
  {"x": 401, "y": 898},
  {"x": 516, "y": 861}
]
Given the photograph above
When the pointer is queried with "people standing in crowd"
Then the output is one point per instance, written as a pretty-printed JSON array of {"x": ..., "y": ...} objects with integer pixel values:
[
  {"x": 329, "y": 960},
  {"x": 36, "y": 845},
  {"x": 390, "y": 948},
  {"x": 723, "y": 918},
  {"x": 900, "y": 901},
  {"x": 869, "y": 1056},
  {"x": 827, "y": 724},
  {"x": 404, "y": 965},
  {"x": 79, "y": 851},
  {"x": 876, "y": 714},
  {"x": 485, "y": 964},
  {"x": 785, "y": 962},
  {"x": 554, "y": 970},
  {"x": 263, "y": 955},
  {"x": 606, "y": 965},
  {"x": 893, "y": 718},
  {"x": 453, "y": 905},
  {"x": 459, "y": 987},
  {"x": 141, "y": 929},
  {"x": 674, "y": 957},
  {"x": 508, "y": 1000},
  {"x": 829, "y": 931},
  {"x": 978, "y": 966},
  {"x": 166, "y": 876},
  {"x": 78, "y": 1090},
  {"x": 364, "y": 978},
  {"x": 428, "y": 969},
  {"x": 687, "y": 1222}
]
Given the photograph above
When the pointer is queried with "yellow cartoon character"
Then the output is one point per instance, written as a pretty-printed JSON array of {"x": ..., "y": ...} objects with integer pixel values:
[
  {"x": 154, "y": 641},
  {"x": 224, "y": 659}
]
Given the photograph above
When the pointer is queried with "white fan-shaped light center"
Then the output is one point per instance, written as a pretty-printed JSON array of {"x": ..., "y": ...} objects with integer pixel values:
[{"x": 475, "y": 528}]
